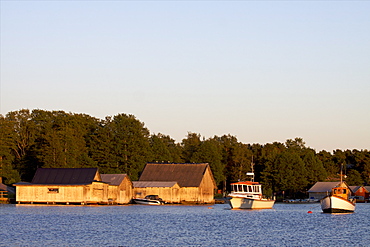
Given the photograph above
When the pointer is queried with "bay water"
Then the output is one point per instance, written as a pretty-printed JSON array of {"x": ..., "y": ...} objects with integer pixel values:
[{"x": 179, "y": 225}]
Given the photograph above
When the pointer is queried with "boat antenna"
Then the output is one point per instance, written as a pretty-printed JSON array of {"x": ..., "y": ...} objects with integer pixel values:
[{"x": 251, "y": 173}]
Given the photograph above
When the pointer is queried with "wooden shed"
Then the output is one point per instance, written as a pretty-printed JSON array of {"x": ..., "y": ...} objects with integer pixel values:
[
  {"x": 196, "y": 181},
  {"x": 64, "y": 186},
  {"x": 119, "y": 188},
  {"x": 168, "y": 191}
]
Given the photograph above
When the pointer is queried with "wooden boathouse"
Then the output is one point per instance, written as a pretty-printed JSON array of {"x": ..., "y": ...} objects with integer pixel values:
[
  {"x": 119, "y": 188},
  {"x": 196, "y": 181},
  {"x": 74, "y": 186}
]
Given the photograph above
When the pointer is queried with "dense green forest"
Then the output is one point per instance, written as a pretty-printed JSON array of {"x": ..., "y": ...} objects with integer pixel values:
[{"x": 122, "y": 144}]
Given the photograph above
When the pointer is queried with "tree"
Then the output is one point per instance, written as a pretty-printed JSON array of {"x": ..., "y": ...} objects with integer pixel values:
[
  {"x": 24, "y": 139},
  {"x": 329, "y": 165},
  {"x": 362, "y": 163},
  {"x": 228, "y": 143},
  {"x": 289, "y": 173},
  {"x": 164, "y": 149},
  {"x": 315, "y": 170},
  {"x": 9, "y": 174},
  {"x": 354, "y": 178},
  {"x": 131, "y": 147},
  {"x": 267, "y": 162},
  {"x": 296, "y": 144},
  {"x": 61, "y": 142},
  {"x": 209, "y": 152},
  {"x": 102, "y": 147},
  {"x": 190, "y": 145}
]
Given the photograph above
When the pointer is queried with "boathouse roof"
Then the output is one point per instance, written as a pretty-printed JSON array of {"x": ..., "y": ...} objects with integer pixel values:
[
  {"x": 186, "y": 175},
  {"x": 71, "y": 176},
  {"x": 356, "y": 188},
  {"x": 113, "y": 179},
  {"x": 324, "y": 186},
  {"x": 144, "y": 184}
]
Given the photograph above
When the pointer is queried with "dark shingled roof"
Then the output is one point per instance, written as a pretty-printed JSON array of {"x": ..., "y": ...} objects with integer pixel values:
[
  {"x": 186, "y": 175},
  {"x": 113, "y": 179},
  {"x": 64, "y": 175}
]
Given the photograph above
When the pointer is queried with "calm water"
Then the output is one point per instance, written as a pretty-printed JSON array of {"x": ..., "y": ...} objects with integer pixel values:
[{"x": 139, "y": 225}]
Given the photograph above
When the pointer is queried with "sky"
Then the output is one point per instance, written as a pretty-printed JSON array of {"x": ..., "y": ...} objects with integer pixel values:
[{"x": 262, "y": 71}]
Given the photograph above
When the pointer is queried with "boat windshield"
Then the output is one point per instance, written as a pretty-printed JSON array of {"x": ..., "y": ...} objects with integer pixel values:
[
  {"x": 246, "y": 188},
  {"x": 341, "y": 192}
]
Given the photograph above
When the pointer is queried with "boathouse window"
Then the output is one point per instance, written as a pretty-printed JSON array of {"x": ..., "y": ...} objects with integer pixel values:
[{"x": 53, "y": 190}]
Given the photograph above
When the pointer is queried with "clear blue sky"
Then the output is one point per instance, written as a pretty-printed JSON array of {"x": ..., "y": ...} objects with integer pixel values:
[{"x": 262, "y": 71}]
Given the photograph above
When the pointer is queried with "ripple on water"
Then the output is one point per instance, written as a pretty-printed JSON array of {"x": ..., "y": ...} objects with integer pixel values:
[{"x": 137, "y": 225}]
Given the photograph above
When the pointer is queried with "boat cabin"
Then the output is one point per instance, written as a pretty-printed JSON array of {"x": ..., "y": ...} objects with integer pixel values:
[
  {"x": 341, "y": 191},
  {"x": 246, "y": 187},
  {"x": 249, "y": 188}
]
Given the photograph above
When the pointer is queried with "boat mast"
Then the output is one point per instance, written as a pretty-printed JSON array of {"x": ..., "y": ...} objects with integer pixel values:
[{"x": 251, "y": 173}]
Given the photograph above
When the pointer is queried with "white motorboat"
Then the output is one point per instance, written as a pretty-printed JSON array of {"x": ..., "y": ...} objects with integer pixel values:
[
  {"x": 338, "y": 201},
  {"x": 248, "y": 194},
  {"x": 149, "y": 200}
]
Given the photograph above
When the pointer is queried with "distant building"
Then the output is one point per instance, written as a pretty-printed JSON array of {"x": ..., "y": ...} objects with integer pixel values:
[
  {"x": 6, "y": 192},
  {"x": 195, "y": 181},
  {"x": 74, "y": 186},
  {"x": 361, "y": 193}
]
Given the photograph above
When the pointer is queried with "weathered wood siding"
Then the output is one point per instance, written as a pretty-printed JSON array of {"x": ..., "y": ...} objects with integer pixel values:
[
  {"x": 202, "y": 194},
  {"x": 121, "y": 194},
  {"x": 190, "y": 194},
  {"x": 98, "y": 193},
  {"x": 207, "y": 187},
  {"x": 94, "y": 193},
  {"x": 168, "y": 194},
  {"x": 41, "y": 193},
  {"x": 125, "y": 191}
]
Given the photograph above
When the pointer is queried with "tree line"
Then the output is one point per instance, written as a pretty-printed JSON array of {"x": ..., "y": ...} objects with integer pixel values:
[{"x": 122, "y": 144}]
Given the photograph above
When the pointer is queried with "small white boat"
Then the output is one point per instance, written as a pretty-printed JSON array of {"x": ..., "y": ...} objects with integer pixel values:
[
  {"x": 339, "y": 200},
  {"x": 248, "y": 194},
  {"x": 149, "y": 200}
]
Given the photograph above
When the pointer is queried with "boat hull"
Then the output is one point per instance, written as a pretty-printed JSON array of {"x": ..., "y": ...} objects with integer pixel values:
[
  {"x": 246, "y": 203},
  {"x": 147, "y": 202},
  {"x": 336, "y": 204}
]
